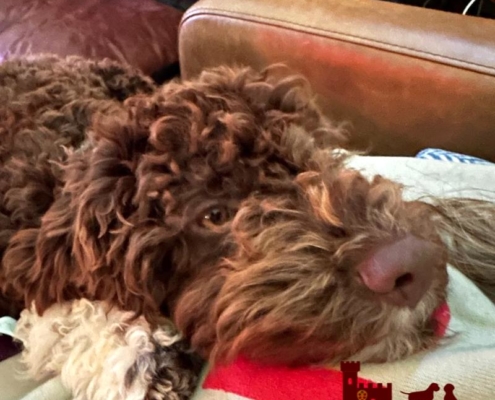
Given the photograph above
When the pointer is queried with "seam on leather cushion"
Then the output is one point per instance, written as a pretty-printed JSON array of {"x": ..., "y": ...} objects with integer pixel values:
[{"x": 404, "y": 50}]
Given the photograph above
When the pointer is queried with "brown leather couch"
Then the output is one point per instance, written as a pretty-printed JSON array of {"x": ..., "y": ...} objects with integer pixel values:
[{"x": 407, "y": 78}]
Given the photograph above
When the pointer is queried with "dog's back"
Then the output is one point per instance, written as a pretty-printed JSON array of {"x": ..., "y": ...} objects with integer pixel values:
[
  {"x": 46, "y": 105},
  {"x": 428, "y": 394}
]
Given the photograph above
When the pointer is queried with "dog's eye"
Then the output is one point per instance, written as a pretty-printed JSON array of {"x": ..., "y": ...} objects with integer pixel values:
[{"x": 216, "y": 217}]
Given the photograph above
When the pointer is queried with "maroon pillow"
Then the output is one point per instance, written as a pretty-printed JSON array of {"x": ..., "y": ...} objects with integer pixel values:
[{"x": 142, "y": 33}]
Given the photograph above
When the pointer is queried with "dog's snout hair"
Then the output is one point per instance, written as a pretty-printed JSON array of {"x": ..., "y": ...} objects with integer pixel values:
[{"x": 227, "y": 204}]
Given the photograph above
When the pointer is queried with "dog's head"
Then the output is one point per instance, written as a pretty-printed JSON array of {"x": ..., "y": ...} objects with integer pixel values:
[
  {"x": 223, "y": 203},
  {"x": 434, "y": 387},
  {"x": 448, "y": 387}
]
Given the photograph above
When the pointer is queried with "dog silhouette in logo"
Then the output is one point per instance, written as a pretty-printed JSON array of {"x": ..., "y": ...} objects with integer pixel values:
[
  {"x": 428, "y": 394},
  {"x": 449, "y": 392}
]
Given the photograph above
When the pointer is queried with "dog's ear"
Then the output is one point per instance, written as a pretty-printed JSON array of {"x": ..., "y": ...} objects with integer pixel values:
[
  {"x": 119, "y": 239},
  {"x": 99, "y": 239}
]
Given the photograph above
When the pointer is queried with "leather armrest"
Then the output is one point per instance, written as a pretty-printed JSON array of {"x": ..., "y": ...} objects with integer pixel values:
[{"x": 406, "y": 78}]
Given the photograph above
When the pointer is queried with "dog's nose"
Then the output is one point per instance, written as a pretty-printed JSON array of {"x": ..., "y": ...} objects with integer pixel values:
[{"x": 401, "y": 272}]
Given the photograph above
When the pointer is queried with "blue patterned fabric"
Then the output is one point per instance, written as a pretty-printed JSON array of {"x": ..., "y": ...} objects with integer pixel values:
[{"x": 443, "y": 155}]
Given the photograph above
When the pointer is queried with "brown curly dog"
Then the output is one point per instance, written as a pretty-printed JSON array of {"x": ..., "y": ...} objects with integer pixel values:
[{"x": 222, "y": 203}]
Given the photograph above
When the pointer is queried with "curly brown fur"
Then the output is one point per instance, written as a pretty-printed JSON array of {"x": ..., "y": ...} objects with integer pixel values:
[
  {"x": 221, "y": 203},
  {"x": 46, "y": 104}
]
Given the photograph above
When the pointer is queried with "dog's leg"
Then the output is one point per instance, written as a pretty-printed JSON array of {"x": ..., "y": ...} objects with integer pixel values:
[
  {"x": 105, "y": 354},
  {"x": 27, "y": 190}
]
